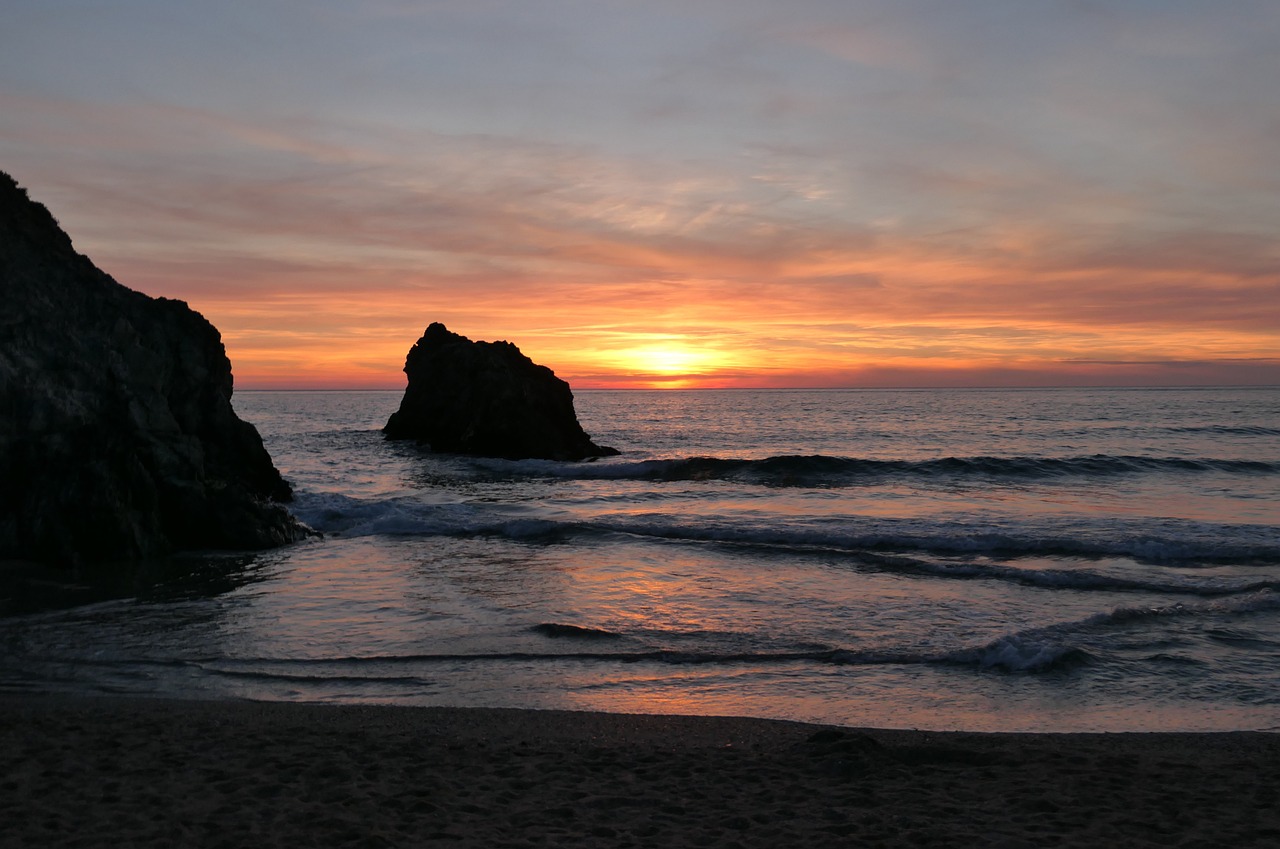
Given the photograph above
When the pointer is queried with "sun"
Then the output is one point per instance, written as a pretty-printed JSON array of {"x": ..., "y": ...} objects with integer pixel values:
[{"x": 668, "y": 359}]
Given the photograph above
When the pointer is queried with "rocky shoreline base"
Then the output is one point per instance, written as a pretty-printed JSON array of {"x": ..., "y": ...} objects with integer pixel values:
[{"x": 127, "y": 772}]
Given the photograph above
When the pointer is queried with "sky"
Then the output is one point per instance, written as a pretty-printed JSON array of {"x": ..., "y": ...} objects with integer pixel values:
[{"x": 705, "y": 193}]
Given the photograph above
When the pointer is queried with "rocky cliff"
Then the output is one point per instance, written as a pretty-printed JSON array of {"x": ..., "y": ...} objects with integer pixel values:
[
  {"x": 487, "y": 399},
  {"x": 117, "y": 436}
]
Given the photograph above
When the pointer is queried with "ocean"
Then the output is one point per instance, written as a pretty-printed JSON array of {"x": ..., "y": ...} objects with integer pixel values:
[{"x": 988, "y": 560}]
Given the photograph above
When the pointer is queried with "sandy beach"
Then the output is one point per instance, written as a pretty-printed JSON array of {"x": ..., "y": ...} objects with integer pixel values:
[{"x": 116, "y": 772}]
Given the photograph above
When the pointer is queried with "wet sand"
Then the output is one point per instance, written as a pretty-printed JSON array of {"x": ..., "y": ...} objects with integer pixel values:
[{"x": 117, "y": 772}]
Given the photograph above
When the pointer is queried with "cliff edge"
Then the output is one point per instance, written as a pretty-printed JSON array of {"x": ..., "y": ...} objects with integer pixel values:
[{"x": 117, "y": 437}]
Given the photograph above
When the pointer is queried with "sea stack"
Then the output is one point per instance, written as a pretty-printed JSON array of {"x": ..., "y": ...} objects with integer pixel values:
[
  {"x": 118, "y": 441},
  {"x": 487, "y": 399}
]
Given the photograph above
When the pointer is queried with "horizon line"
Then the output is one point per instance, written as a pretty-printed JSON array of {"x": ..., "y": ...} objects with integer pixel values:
[{"x": 1145, "y": 386}]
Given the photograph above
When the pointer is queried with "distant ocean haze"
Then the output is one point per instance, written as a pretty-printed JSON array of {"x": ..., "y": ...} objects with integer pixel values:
[{"x": 983, "y": 559}]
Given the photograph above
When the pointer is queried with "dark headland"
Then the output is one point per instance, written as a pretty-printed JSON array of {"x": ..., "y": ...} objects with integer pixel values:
[
  {"x": 487, "y": 399},
  {"x": 118, "y": 441}
]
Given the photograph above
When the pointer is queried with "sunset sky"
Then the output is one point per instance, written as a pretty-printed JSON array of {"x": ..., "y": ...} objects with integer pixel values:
[{"x": 695, "y": 193}]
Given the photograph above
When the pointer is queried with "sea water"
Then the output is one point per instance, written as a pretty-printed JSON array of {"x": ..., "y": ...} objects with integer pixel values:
[{"x": 1058, "y": 559}]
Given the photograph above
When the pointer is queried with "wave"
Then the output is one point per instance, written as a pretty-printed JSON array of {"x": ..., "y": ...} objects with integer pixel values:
[
  {"x": 1053, "y": 647},
  {"x": 1075, "y": 579},
  {"x": 1058, "y": 647},
  {"x": 1158, "y": 541},
  {"x": 558, "y": 629},
  {"x": 410, "y": 515},
  {"x": 1229, "y": 430},
  {"x": 864, "y": 538},
  {"x": 818, "y": 470}
]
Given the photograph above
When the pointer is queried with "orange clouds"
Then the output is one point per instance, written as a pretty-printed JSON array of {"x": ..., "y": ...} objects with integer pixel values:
[
  {"x": 322, "y": 250},
  {"x": 611, "y": 308}
]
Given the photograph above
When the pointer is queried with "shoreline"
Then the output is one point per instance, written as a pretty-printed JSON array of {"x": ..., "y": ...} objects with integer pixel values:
[{"x": 79, "y": 771}]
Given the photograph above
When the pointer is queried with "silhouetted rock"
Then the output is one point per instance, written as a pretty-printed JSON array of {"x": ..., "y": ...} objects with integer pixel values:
[
  {"x": 487, "y": 399},
  {"x": 117, "y": 436}
]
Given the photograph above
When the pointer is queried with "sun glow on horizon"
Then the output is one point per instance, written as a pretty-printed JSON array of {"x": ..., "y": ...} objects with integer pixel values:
[
  {"x": 670, "y": 358},
  {"x": 656, "y": 362}
]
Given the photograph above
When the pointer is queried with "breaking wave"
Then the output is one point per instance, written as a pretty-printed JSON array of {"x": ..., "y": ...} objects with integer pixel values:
[
  {"x": 824, "y": 471},
  {"x": 1057, "y": 647},
  {"x": 1170, "y": 542}
]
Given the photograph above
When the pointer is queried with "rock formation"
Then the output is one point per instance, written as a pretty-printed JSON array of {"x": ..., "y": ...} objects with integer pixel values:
[
  {"x": 117, "y": 436},
  {"x": 487, "y": 399}
]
